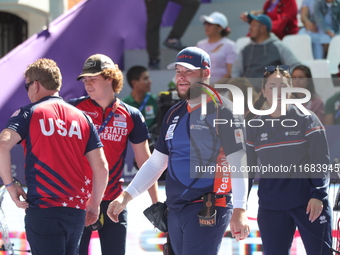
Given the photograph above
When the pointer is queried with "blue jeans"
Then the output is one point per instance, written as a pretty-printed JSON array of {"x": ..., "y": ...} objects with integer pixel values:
[
  {"x": 318, "y": 39},
  {"x": 55, "y": 230}
]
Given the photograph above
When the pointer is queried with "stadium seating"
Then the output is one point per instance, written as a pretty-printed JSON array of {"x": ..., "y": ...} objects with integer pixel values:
[
  {"x": 322, "y": 79},
  {"x": 300, "y": 45},
  {"x": 242, "y": 42},
  {"x": 333, "y": 55}
]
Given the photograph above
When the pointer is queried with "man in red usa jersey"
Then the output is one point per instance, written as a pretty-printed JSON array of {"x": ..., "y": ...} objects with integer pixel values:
[
  {"x": 117, "y": 123},
  {"x": 55, "y": 136},
  {"x": 188, "y": 145}
]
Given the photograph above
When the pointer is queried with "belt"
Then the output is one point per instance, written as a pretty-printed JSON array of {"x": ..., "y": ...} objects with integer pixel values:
[{"x": 201, "y": 198}]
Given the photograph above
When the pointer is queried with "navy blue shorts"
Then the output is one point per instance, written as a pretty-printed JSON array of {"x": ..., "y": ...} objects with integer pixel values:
[
  {"x": 112, "y": 235},
  {"x": 277, "y": 230},
  {"x": 54, "y": 231},
  {"x": 188, "y": 237}
]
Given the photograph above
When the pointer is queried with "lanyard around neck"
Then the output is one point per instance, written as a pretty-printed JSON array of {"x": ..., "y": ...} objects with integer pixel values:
[
  {"x": 146, "y": 98},
  {"x": 109, "y": 117}
]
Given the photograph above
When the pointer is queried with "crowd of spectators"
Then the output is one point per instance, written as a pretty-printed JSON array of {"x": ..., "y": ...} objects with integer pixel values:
[{"x": 320, "y": 19}]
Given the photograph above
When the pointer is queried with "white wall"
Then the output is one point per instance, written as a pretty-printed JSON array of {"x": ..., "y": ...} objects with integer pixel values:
[{"x": 37, "y": 13}]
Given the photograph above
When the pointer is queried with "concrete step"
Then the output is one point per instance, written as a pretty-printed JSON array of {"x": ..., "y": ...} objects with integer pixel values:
[{"x": 140, "y": 57}]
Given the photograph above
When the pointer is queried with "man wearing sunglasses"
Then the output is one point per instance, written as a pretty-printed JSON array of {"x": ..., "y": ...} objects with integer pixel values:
[
  {"x": 265, "y": 49},
  {"x": 55, "y": 137}
]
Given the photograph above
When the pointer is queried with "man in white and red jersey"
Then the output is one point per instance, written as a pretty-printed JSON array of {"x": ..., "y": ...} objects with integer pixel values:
[
  {"x": 55, "y": 137},
  {"x": 117, "y": 123},
  {"x": 199, "y": 196}
]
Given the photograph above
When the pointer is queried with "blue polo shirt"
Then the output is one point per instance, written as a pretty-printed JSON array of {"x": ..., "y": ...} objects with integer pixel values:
[{"x": 195, "y": 145}]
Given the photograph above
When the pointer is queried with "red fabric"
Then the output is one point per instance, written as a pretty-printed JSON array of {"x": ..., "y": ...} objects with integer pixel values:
[{"x": 283, "y": 16}]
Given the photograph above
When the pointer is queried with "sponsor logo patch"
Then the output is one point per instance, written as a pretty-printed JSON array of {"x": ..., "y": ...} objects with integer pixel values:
[
  {"x": 238, "y": 135},
  {"x": 264, "y": 137},
  {"x": 119, "y": 124},
  {"x": 170, "y": 132},
  {"x": 92, "y": 114}
]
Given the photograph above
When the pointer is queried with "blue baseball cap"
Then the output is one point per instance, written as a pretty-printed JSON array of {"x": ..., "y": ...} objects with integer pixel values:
[
  {"x": 192, "y": 58},
  {"x": 262, "y": 18}
]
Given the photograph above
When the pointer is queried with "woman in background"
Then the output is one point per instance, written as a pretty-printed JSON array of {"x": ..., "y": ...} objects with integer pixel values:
[
  {"x": 222, "y": 50},
  {"x": 302, "y": 78}
]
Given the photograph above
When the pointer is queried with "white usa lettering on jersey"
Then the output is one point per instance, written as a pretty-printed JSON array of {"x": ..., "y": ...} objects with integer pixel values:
[{"x": 59, "y": 126}]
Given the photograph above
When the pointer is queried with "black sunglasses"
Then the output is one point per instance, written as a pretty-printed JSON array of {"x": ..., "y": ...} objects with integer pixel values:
[
  {"x": 271, "y": 69},
  {"x": 28, "y": 84}
]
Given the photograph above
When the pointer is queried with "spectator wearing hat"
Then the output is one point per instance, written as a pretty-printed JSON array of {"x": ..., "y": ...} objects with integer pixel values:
[
  {"x": 116, "y": 123},
  {"x": 283, "y": 14},
  {"x": 222, "y": 50},
  {"x": 265, "y": 49}
]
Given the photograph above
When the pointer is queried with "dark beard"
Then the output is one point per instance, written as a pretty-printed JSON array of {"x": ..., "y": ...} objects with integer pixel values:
[
  {"x": 192, "y": 92},
  {"x": 186, "y": 96}
]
